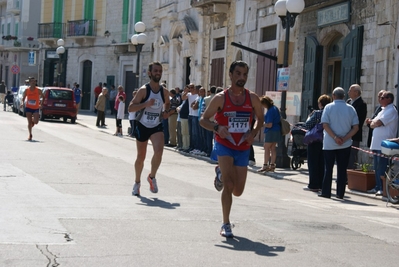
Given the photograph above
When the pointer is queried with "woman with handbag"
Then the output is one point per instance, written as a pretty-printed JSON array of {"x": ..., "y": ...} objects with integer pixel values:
[
  {"x": 315, "y": 149},
  {"x": 272, "y": 134}
]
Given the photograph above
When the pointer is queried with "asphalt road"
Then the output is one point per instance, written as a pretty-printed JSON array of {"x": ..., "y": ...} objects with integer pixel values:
[{"x": 65, "y": 200}]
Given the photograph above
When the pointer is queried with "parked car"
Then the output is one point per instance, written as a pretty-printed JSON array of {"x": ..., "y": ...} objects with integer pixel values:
[
  {"x": 58, "y": 102},
  {"x": 18, "y": 99}
]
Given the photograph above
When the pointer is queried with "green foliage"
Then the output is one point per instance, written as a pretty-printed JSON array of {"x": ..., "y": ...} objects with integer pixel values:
[{"x": 365, "y": 167}]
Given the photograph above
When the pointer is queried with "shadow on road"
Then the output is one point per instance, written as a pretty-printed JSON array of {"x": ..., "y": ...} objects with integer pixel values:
[
  {"x": 155, "y": 202},
  {"x": 244, "y": 244}
]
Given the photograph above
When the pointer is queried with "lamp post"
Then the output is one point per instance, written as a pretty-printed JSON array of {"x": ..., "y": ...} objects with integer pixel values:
[
  {"x": 138, "y": 40},
  {"x": 287, "y": 10},
  {"x": 60, "y": 51}
]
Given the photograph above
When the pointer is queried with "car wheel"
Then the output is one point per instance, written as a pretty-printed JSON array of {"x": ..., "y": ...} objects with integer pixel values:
[{"x": 73, "y": 120}]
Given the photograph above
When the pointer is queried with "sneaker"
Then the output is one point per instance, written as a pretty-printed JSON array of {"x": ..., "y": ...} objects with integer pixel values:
[
  {"x": 372, "y": 191},
  {"x": 218, "y": 179},
  {"x": 153, "y": 184},
  {"x": 378, "y": 193},
  {"x": 226, "y": 230},
  {"x": 136, "y": 189},
  {"x": 251, "y": 163}
]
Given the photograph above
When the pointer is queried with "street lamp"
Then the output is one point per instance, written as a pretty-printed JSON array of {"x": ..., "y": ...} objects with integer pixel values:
[
  {"x": 287, "y": 10},
  {"x": 138, "y": 40},
  {"x": 60, "y": 51}
]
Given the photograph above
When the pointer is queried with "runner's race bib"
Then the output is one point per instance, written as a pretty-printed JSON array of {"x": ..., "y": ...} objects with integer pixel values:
[
  {"x": 238, "y": 125},
  {"x": 32, "y": 102}
]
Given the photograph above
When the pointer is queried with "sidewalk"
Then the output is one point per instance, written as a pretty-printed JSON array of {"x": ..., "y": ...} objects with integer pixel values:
[{"x": 300, "y": 175}]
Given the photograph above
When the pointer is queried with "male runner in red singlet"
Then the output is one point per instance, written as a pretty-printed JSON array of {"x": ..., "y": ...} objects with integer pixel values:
[
  {"x": 33, "y": 104},
  {"x": 234, "y": 109}
]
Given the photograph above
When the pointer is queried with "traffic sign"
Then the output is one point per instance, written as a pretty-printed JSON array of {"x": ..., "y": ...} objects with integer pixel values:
[{"x": 15, "y": 69}]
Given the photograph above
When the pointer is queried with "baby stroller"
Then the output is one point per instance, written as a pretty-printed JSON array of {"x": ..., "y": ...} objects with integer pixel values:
[{"x": 299, "y": 151}]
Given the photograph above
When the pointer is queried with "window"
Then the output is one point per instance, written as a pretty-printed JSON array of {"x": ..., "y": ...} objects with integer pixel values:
[
  {"x": 60, "y": 95},
  {"x": 218, "y": 44},
  {"x": 268, "y": 33}
]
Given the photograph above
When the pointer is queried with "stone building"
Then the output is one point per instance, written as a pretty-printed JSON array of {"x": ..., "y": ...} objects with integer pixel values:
[{"x": 18, "y": 44}]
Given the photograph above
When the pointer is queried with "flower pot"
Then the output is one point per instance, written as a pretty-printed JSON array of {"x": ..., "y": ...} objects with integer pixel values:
[
  {"x": 360, "y": 181},
  {"x": 392, "y": 192}
]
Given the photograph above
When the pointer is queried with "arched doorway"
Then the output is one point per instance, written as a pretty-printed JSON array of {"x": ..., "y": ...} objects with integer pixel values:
[
  {"x": 334, "y": 63},
  {"x": 86, "y": 85}
]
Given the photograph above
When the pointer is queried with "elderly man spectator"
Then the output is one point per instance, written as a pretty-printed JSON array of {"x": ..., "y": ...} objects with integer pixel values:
[
  {"x": 360, "y": 106},
  {"x": 3, "y": 93},
  {"x": 385, "y": 126},
  {"x": 175, "y": 101},
  {"x": 340, "y": 123},
  {"x": 97, "y": 91},
  {"x": 377, "y": 110}
]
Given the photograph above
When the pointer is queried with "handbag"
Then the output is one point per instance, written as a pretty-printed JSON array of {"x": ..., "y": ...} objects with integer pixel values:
[
  {"x": 314, "y": 135},
  {"x": 285, "y": 126}
]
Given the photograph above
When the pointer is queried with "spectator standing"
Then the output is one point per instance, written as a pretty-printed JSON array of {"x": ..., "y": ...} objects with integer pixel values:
[
  {"x": 385, "y": 126},
  {"x": 201, "y": 130},
  {"x": 315, "y": 149},
  {"x": 340, "y": 123},
  {"x": 78, "y": 96},
  {"x": 120, "y": 115},
  {"x": 3, "y": 92},
  {"x": 97, "y": 91},
  {"x": 208, "y": 134},
  {"x": 112, "y": 97},
  {"x": 175, "y": 101},
  {"x": 121, "y": 92},
  {"x": 193, "y": 118},
  {"x": 272, "y": 134},
  {"x": 376, "y": 111},
  {"x": 165, "y": 123},
  {"x": 100, "y": 106},
  {"x": 360, "y": 106},
  {"x": 184, "y": 111}
]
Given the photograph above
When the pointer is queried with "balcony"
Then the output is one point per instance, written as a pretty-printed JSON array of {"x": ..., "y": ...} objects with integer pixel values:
[
  {"x": 212, "y": 7},
  {"x": 83, "y": 31},
  {"x": 13, "y": 6},
  {"x": 49, "y": 33}
]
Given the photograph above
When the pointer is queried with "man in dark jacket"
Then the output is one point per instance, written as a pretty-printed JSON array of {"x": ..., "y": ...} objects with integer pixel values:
[{"x": 360, "y": 106}]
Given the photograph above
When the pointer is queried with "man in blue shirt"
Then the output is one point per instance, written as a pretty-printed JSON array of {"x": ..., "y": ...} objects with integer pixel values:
[
  {"x": 340, "y": 123},
  {"x": 78, "y": 96}
]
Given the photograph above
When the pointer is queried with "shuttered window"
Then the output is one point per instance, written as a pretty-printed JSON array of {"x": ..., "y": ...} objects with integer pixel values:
[
  {"x": 218, "y": 44},
  {"x": 268, "y": 33}
]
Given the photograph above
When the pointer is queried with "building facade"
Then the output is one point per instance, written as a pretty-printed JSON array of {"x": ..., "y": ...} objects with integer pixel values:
[{"x": 18, "y": 45}]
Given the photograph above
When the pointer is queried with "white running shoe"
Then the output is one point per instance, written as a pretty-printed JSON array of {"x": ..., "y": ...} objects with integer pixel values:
[{"x": 136, "y": 189}]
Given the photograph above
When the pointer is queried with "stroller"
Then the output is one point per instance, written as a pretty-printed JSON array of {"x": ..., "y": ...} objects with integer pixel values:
[{"x": 299, "y": 151}]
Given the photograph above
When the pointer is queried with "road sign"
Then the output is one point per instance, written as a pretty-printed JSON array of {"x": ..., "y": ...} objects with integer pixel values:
[{"x": 14, "y": 69}]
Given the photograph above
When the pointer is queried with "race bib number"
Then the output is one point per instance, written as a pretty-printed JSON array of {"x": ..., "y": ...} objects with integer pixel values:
[
  {"x": 32, "y": 102},
  {"x": 238, "y": 125},
  {"x": 151, "y": 117}
]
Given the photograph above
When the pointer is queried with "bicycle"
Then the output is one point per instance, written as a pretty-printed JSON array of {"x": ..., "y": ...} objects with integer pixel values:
[{"x": 392, "y": 178}]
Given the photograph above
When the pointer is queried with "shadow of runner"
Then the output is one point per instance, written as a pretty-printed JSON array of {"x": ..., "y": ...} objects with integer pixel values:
[
  {"x": 244, "y": 244},
  {"x": 155, "y": 202}
]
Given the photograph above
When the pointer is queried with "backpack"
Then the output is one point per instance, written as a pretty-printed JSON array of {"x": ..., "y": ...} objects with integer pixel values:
[{"x": 140, "y": 113}]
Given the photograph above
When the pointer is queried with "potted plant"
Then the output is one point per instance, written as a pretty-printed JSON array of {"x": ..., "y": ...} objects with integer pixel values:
[
  {"x": 17, "y": 44},
  {"x": 30, "y": 38},
  {"x": 361, "y": 179}
]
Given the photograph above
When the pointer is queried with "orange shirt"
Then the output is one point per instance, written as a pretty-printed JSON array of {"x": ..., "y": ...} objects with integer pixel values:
[{"x": 32, "y": 98}]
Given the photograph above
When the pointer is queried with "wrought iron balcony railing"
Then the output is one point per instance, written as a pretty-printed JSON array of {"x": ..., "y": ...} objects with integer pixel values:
[
  {"x": 82, "y": 28},
  {"x": 50, "y": 30}
]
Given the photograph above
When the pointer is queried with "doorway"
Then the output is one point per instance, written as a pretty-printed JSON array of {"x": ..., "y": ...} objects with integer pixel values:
[
  {"x": 334, "y": 63},
  {"x": 86, "y": 85}
]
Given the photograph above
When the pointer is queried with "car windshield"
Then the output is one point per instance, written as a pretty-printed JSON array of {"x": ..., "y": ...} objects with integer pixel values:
[{"x": 60, "y": 95}]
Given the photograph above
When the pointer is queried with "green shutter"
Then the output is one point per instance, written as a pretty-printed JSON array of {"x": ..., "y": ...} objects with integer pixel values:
[
  {"x": 137, "y": 15},
  {"x": 16, "y": 29},
  {"x": 58, "y": 12},
  {"x": 125, "y": 21},
  {"x": 89, "y": 15}
]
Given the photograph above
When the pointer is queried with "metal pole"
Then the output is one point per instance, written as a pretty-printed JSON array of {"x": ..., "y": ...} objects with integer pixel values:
[
  {"x": 282, "y": 159},
  {"x": 138, "y": 49}
]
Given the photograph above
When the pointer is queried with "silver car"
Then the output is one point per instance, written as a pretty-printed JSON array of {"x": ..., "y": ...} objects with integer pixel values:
[{"x": 18, "y": 99}]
